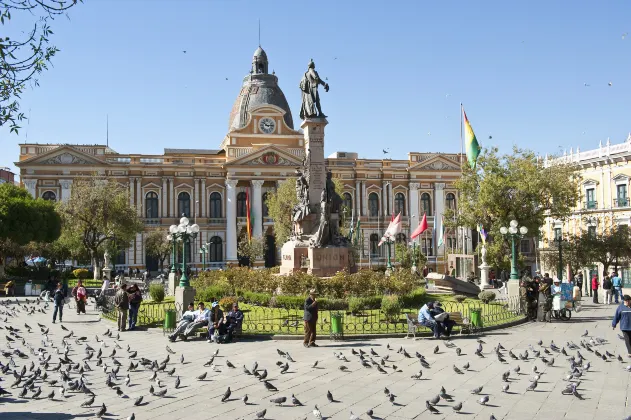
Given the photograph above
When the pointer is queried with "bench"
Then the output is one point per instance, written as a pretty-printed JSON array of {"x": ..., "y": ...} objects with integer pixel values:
[
  {"x": 464, "y": 323},
  {"x": 413, "y": 325}
]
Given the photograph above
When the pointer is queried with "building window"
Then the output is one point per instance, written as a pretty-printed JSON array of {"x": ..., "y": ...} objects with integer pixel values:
[
  {"x": 151, "y": 205},
  {"x": 590, "y": 195},
  {"x": 622, "y": 200},
  {"x": 426, "y": 204},
  {"x": 524, "y": 246},
  {"x": 216, "y": 249},
  {"x": 373, "y": 205},
  {"x": 120, "y": 257},
  {"x": 215, "y": 205},
  {"x": 241, "y": 204},
  {"x": 264, "y": 205},
  {"x": 374, "y": 245},
  {"x": 348, "y": 201},
  {"x": 427, "y": 247},
  {"x": 451, "y": 243},
  {"x": 184, "y": 204},
  {"x": 591, "y": 231},
  {"x": 49, "y": 196},
  {"x": 450, "y": 201},
  {"x": 400, "y": 238},
  {"x": 399, "y": 204},
  {"x": 557, "y": 234}
]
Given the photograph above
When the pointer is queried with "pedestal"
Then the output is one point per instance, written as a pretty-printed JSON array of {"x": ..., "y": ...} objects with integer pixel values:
[
  {"x": 513, "y": 289},
  {"x": 107, "y": 273},
  {"x": 314, "y": 146},
  {"x": 484, "y": 276},
  {"x": 173, "y": 282},
  {"x": 184, "y": 296}
]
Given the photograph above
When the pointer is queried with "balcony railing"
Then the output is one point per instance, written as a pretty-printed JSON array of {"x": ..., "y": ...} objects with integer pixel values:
[
  {"x": 152, "y": 221},
  {"x": 621, "y": 202},
  {"x": 590, "y": 205},
  {"x": 216, "y": 220}
]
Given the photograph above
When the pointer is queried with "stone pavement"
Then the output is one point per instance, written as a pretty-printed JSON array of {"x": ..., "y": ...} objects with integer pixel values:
[{"x": 605, "y": 387}]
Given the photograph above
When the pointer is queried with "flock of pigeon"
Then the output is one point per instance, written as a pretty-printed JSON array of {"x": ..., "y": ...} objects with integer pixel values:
[{"x": 56, "y": 369}]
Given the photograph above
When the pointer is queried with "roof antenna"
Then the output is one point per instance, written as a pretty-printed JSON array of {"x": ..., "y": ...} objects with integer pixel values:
[{"x": 259, "y": 32}]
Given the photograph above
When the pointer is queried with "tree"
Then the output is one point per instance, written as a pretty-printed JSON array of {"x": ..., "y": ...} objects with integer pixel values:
[
  {"x": 576, "y": 252},
  {"x": 22, "y": 60},
  {"x": 514, "y": 186},
  {"x": 98, "y": 211},
  {"x": 404, "y": 256},
  {"x": 157, "y": 246},
  {"x": 611, "y": 247},
  {"x": 252, "y": 250}
]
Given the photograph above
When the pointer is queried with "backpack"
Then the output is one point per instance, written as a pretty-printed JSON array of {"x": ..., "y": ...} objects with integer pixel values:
[{"x": 607, "y": 284}]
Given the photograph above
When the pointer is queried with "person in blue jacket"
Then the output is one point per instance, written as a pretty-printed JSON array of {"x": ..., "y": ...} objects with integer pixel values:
[{"x": 623, "y": 316}]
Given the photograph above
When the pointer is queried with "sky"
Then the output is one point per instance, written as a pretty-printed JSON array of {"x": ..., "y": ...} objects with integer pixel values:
[{"x": 531, "y": 73}]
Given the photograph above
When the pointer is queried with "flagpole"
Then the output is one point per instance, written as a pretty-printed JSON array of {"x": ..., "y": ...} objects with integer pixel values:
[{"x": 461, "y": 165}]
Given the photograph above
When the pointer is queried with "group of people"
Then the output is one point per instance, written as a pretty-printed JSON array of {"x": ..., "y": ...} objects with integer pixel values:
[
  {"x": 221, "y": 328},
  {"x": 127, "y": 300},
  {"x": 432, "y": 316},
  {"x": 612, "y": 288}
]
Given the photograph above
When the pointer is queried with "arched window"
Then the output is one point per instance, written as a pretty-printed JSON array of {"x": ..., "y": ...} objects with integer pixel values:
[
  {"x": 216, "y": 249},
  {"x": 241, "y": 209},
  {"x": 49, "y": 196},
  {"x": 450, "y": 200},
  {"x": 399, "y": 204},
  {"x": 348, "y": 201},
  {"x": 215, "y": 205},
  {"x": 264, "y": 205},
  {"x": 374, "y": 244},
  {"x": 426, "y": 204},
  {"x": 373, "y": 205},
  {"x": 151, "y": 205},
  {"x": 184, "y": 204},
  {"x": 400, "y": 238}
]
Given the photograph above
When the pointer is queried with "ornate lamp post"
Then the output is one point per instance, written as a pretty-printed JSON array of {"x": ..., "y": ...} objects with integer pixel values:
[
  {"x": 559, "y": 241},
  {"x": 514, "y": 233},
  {"x": 184, "y": 233},
  {"x": 171, "y": 237},
  {"x": 414, "y": 262},
  {"x": 203, "y": 251}
]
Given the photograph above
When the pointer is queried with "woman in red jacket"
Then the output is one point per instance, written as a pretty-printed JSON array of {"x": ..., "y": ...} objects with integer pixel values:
[{"x": 595, "y": 287}]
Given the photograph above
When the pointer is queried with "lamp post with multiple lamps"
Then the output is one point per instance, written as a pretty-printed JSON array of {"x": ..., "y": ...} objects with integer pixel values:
[
  {"x": 560, "y": 241},
  {"x": 184, "y": 233},
  {"x": 203, "y": 251},
  {"x": 514, "y": 232},
  {"x": 414, "y": 262}
]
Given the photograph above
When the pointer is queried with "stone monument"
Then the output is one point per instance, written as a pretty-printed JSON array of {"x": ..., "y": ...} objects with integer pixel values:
[
  {"x": 315, "y": 245},
  {"x": 484, "y": 271},
  {"x": 107, "y": 271}
]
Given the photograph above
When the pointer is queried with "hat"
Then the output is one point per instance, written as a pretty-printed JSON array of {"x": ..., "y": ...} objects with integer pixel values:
[
  {"x": 313, "y": 292},
  {"x": 626, "y": 297},
  {"x": 215, "y": 304},
  {"x": 556, "y": 281}
]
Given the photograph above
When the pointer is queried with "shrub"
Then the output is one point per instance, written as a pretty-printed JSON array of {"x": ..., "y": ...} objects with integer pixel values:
[
  {"x": 391, "y": 307},
  {"x": 415, "y": 299},
  {"x": 332, "y": 304},
  {"x": 459, "y": 298},
  {"x": 289, "y": 302},
  {"x": 156, "y": 291},
  {"x": 486, "y": 296},
  {"x": 210, "y": 293},
  {"x": 356, "y": 305},
  {"x": 80, "y": 273},
  {"x": 226, "y": 303},
  {"x": 255, "y": 298}
]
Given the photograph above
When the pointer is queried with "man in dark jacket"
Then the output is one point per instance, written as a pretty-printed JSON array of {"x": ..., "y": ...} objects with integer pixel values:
[
  {"x": 135, "y": 298},
  {"x": 623, "y": 316},
  {"x": 121, "y": 301},
  {"x": 311, "y": 319},
  {"x": 58, "y": 298}
]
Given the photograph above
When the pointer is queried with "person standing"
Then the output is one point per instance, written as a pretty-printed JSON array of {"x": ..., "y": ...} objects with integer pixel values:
[
  {"x": 607, "y": 286},
  {"x": 80, "y": 295},
  {"x": 616, "y": 282},
  {"x": 58, "y": 298},
  {"x": 121, "y": 301},
  {"x": 579, "y": 281},
  {"x": 595, "y": 288},
  {"x": 135, "y": 298},
  {"x": 623, "y": 316},
  {"x": 311, "y": 319}
]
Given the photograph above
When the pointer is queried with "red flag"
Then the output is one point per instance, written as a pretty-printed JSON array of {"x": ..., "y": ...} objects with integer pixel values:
[{"x": 422, "y": 227}]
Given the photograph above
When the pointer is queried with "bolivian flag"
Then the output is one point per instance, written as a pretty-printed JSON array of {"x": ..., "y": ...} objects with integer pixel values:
[{"x": 472, "y": 148}]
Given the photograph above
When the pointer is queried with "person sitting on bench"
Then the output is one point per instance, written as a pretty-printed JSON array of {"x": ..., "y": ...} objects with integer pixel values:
[
  {"x": 216, "y": 320},
  {"x": 191, "y": 320},
  {"x": 426, "y": 319},
  {"x": 442, "y": 318}
]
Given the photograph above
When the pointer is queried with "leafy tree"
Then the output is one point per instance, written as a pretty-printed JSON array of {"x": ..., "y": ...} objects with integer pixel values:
[
  {"x": 23, "y": 59},
  {"x": 513, "y": 186},
  {"x": 610, "y": 248},
  {"x": 157, "y": 246},
  {"x": 252, "y": 250},
  {"x": 404, "y": 255},
  {"x": 98, "y": 211},
  {"x": 576, "y": 251}
]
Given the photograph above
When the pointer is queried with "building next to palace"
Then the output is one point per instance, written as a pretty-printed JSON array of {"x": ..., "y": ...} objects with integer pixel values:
[{"x": 260, "y": 149}]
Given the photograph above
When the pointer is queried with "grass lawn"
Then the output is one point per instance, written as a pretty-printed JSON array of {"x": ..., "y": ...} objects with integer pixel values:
[{"x": 86, "y": 282}]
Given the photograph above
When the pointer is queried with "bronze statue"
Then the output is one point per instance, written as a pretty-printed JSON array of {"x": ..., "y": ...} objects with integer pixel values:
[
  {"x": 310, "y": 97},
  {"x": 322, "y": 236}
]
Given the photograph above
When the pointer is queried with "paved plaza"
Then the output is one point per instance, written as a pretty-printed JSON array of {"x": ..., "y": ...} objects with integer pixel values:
[{"x": 604, "y": 386}]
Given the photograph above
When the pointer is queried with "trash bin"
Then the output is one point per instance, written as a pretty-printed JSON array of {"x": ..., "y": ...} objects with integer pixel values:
[
  {"x": 337, "y": 325},
  {"x": 169, "y": 319},
  {"x": 476, "y": 317}
]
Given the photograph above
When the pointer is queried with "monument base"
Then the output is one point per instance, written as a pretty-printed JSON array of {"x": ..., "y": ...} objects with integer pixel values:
[
  {"x": 184, "y": 296},
  {"x": 173, "y": 282},
  {"x": 107, "y": 273},
  {"x": 484, "y": 277},
  {"x": 323, "y": 262}
]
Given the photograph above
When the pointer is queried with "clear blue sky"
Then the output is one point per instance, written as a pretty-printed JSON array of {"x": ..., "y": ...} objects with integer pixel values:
[{"x": 397, "y": 70}]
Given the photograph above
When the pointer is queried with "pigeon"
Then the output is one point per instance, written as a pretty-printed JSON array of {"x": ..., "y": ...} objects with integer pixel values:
[
  {"x": 457, "y": 407},
  {"x": 177, "y": 382},
  {"x": 458, "y": 351},
  {"x": 88, "y": 402},
  {"x": 505, "y": 387},
  {"x": 477, "y": 390},
  {"x": 431, "y": 408},
  {"x": 483, "y": 400},
  {"x": 101, "y": 411},
  {"x": 316, "y": 412},
  {"x": 261, "y": 414},
  {"x": 434, "y": 400},
  {"x": 532, "y": 386},
  {"x": 436, "y": 350},
  {"x": 278, "y": 401},
  {"x": 329, "y": 396},
  {"x": 169, "y": 350},
  {"x": 295, "y": 400},
  {"x": 226, "y": 395},
  {"x": 458, "y": 371},
  {"x": 585, "y": 334},
  {"x": 202, "y": 376},
  {"x": 230, "y": 365},
  {"x": 269, "y": 386},
  {"x": 160, "y": 393},
  {"x": 246, "y": 371},
  {"x": 138, "y": 400},
  {"x": 314, "y": 364}
]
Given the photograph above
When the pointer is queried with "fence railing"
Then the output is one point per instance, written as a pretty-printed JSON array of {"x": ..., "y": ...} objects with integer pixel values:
[{"x": 264, "y": 320}]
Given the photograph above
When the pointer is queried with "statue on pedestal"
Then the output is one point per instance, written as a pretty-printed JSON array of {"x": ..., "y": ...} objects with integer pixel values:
[{"x": 310, "y": 98}]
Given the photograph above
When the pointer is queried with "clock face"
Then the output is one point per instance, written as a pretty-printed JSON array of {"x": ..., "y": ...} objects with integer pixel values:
[{"x": 267, "y": 125}]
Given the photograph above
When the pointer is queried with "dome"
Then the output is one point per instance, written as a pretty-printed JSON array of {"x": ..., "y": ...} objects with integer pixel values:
[{"x": 259, "y": 88}]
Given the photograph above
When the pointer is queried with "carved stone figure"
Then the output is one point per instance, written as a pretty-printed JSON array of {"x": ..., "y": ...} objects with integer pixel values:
[
  {"x": 310, "y": 98},
  {"x": 106, "y": 257},
  {"x": 332, "y": 197},
  {"x": 322, "y": 236}
]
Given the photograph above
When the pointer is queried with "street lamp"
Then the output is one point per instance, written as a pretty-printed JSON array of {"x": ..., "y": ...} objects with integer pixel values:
[
  {"x": 413, "y": 245},
  {"x": 559, "y": 241},
  {"x": 184, "y": 232},
  {"x": 514, "y": 233},
  {"x": 203, "y": 251},
  {"x": 171, "y": 237}
]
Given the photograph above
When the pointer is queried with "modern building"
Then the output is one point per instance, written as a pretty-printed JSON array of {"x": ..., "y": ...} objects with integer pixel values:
[
  {"x": 261, "y": 148},
  {"x": 604, "y": 203}
]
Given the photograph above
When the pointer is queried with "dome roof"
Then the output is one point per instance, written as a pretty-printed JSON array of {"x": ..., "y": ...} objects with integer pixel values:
[{"x": 259, "y": 88}]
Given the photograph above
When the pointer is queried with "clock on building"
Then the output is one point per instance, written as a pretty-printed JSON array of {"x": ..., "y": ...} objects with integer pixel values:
[{"x": 267, "y": 125}]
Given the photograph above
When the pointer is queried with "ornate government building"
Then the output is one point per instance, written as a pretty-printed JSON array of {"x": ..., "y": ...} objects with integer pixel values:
[{"x": 261, "y": 148}]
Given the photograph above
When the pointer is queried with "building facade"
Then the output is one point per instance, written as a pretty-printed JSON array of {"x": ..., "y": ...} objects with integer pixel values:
[
  {"x": 6, "y": 176},
  {"x": 260, "y": 149},
  {"x": 604, "y": 204}
]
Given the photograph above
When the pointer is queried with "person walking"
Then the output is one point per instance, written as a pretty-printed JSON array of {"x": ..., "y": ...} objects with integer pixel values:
[
  {"x": 595, "y": 288},
  {"x": 623, "y": 316},
  {"x": 81, "y": 296},
  {"x": 58, "y": 298},
  {"x": 121, "y": 301},
  {"x": 311, "y": 319},
  {"x": 607, "y": 286},
  {"x": 616, "y": 282},
  {"x": 135, "y": 298}
]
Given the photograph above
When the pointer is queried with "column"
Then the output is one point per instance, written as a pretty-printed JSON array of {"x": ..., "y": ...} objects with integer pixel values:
[
  {"x": 163, "y": 201},
  {"x": 257, "y": 201},
  {"x": 139, "y": 203},
  {"x": 132, "y": 192},
  {"x": 231, "y": 220},
  {"x": 364, "y": 200},
  {"x": 313, "y": 129},
  {"x": 439, "y": 205},
  {"x": 172, "y": 198},
  {"x": 66, "y": 189},
  {"x": 384, "y": 199},
  {"x": 391, "y": 198},
  {"x": 358, "y": 203},
  {"x": 195, "y": 202},
  {"x": 31, "y": 186},
  {"x": 415, "y": 216},
  {"x": 204, "y": 198}
]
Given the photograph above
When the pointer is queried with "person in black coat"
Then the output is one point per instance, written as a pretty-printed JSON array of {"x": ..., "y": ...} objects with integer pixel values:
[
  {"x": 58, "y": 298},
  {"x": 311, "y": 319}
]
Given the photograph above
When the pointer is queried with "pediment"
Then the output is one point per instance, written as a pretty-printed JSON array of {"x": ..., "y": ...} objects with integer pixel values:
[
  {"x": 621, "y": 178},
  {"x": 65, "y": 155},
  {"x": 270, "y": 155},
  {"x": 151, "y": 185},
  {"x": 436, "y": 163},
  {"x": 590, "y": 183}
]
